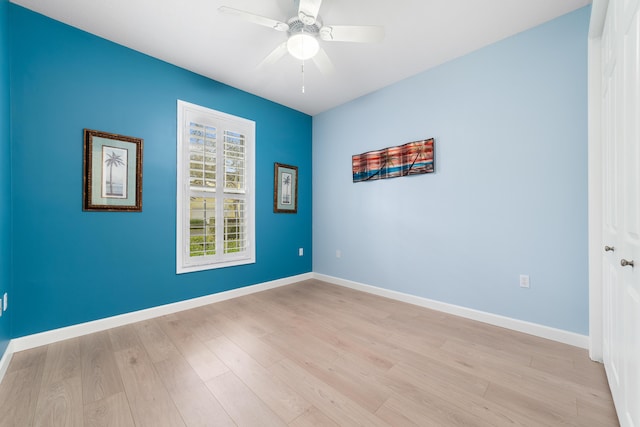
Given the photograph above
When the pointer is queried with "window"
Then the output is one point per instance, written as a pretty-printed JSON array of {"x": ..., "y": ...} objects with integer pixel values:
[{"x": 215, "y": 203}]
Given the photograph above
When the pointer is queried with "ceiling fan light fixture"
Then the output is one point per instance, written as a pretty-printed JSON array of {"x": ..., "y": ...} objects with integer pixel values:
[{"x": 303, "y": 46}]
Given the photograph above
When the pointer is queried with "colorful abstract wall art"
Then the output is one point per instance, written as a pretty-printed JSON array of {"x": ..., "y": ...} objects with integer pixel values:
[{"x": 413, "y": 158}]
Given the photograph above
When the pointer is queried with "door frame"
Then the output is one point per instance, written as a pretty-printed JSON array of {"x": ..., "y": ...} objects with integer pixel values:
[{"x": 595, "y": 188}]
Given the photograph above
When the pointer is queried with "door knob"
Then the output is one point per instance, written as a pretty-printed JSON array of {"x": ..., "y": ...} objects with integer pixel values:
[
  {"x": 609, "y": 249},
  {"x": 625, "y": 263}
]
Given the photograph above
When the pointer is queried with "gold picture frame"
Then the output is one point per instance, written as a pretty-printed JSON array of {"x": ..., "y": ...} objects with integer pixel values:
[
  {"x": 285, "y": 188},
  {"x": 112, "y": 172}
]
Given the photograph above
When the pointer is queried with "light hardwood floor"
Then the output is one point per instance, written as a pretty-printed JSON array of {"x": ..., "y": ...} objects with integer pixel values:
[{"x": 310, "y": 354}]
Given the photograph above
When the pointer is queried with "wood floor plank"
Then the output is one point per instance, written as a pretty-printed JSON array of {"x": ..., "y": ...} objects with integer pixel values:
[
  {"x": 496, "y": 415},
  {"x": 307, "y": 346},
  {"x": 548, "y": 361},
  {"x": 330, "y": 401},
  {"x": 485, "y": 353},
  {"x": 402, "y": 413},
  {"x": 263, "y": 311},
  {"x": 60, "y": 404},
  {"x": 155, "y": 341},
  {"x": 184, "y": 327},
  {"x": 595, "y": 415},
  {"x": 124, "y": 337},
  {"x": 192, "y": 348},
  {"x": 450, "y": 392},
  {"x": 441, "y": 376},
  {"x": 206, "y": 364},
  {"x": 281, "y": 398},
  {"x": 346, "y": 303},
  {"x": 201, "y": 322},
  {"x": 111, "y": 411},
  {"x": 262, "y": 352},
  {"x": 100, "y": 375},
  {"x": 312, "y": 417},
  {"x": 199, "y": 407},
  {"x": 392, "y": 348},
  {"x": 341, "y": 342},
  {"x": 451, "y": 406},
  {"x": 235, "y": 310},
  {"x": 176, "y": 374},
  {"x": 561, "y": 368},
  {"x": 194, "y": 401},
  {"x": 177, "y": 327},
  {"x": 236, "y": 397},
  {"x": 20, "y": 389},
  {"x": 62, "y": 361},
  {"x": 390, "y": 412},
  {"x": 281, "y": 316},
  {"x": 149, "y": 400},
  {"x": 537, "y": 383},
  {"x": 467, "y": 359},
  {"x": 350, "y": 380},
  {"x": 544, "y": 412},
  {"x": 28, "y": 359},
  {"x": 302, "y": 308}
]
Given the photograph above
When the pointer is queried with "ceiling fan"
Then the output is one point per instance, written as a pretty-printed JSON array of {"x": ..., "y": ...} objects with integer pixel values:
[{"x": 305, "y": 29}]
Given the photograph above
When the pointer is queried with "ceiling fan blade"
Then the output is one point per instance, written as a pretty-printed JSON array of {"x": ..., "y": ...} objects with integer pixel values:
[
  {"x": 308, "y": 11},
  {"x": 352, "y": 33},
  {"x": 275, "y": 55},
  {"x": 322, "y": 61},
  {"x": 256, "y": 19}
]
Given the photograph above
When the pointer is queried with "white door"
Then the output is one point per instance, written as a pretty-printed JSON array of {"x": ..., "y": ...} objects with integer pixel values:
[{"x": 621, "y": 206}]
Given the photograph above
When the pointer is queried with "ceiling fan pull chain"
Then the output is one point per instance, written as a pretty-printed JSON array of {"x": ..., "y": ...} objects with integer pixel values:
[{"x": 302, "y": 66}]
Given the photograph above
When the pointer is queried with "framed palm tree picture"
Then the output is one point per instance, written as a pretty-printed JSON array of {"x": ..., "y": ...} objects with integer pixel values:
[
  {"x": 285, "y": 188},
  {"x": 112, "y": 178}
]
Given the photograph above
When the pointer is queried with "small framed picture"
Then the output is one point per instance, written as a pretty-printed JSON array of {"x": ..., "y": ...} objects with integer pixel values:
[
  {"x": 112, "y": 178},
  {"x": 285, "y": 188}
]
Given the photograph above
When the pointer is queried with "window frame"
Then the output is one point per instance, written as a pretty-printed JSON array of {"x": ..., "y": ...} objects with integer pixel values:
[{"x": 188, "y": 112}]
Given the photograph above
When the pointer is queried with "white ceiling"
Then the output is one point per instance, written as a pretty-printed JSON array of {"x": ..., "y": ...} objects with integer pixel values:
[{"x": 192, "y": 34}]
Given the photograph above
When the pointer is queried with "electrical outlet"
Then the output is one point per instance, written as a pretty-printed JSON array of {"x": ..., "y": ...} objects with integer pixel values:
[
  {"x": 4, "y": 301},
  {"x": 338, "y": 253},
  {"x": 300, "y": 251},
  {"x": 524, "y": 281}
]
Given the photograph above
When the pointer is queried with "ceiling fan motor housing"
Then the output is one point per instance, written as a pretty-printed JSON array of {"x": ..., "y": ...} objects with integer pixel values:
[{"x": 297, "y": 26}]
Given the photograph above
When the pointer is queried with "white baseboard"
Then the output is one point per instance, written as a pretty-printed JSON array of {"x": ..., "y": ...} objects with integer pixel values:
[
  {"x": 48, "y": 337},
  {"x": 535, "y": 329},
  {"x": 6, "y": 359}
]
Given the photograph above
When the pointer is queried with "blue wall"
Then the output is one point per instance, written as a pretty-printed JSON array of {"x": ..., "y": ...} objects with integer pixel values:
[
  {"x": 72, "y": 266},
  {"x": 5, "y": 174},
  {"x": 509, "y": 195}
]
